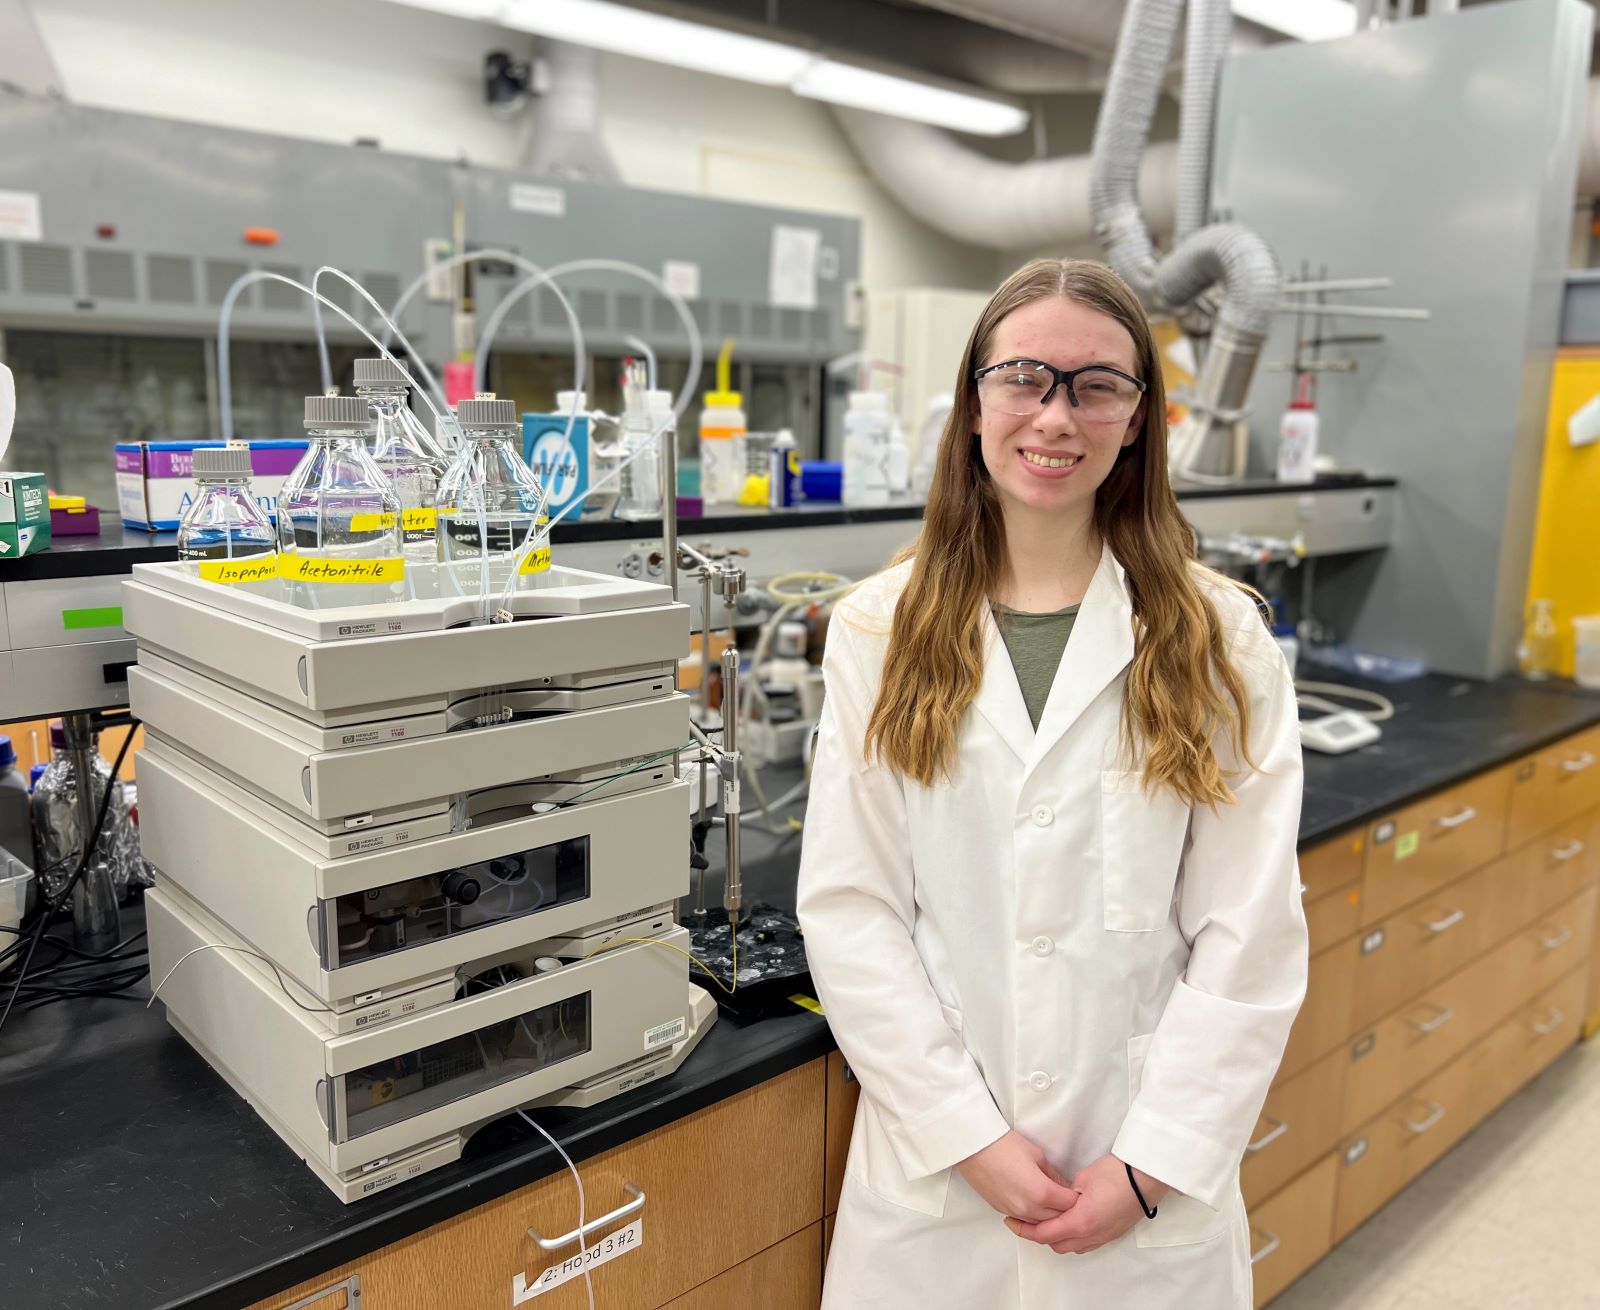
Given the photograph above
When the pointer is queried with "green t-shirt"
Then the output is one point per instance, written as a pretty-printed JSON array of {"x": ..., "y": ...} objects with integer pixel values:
[{"x": 1035, "y": 643}]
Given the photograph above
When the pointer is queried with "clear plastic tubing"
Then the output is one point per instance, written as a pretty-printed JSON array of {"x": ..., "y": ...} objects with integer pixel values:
[
  {"x": 322, "y": 336},
  {"x": 406, "y": 454}
]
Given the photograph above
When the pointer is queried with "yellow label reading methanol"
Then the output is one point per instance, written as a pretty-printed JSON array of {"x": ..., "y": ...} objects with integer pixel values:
[
  {"x": 371, "y": 522},
  {"x": 298, "y": 568},
  {"x": 253, "y": 568},
  {"x": 538, "y": 561}
]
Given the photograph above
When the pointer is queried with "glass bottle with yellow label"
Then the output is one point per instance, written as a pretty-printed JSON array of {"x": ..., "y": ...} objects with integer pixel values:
[
  {"x": 338, "y": 517},
  {"x": 491, "y": 503},
  {"x": 225, "y": 536},
  {"x": 406, "y": 454}
]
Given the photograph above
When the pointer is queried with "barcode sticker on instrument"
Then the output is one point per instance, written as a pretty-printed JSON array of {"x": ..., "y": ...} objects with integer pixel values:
[{"x": 665, "y": 1034}]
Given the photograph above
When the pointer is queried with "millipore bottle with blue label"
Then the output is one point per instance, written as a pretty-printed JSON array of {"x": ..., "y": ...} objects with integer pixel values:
[
  {"x": 338, "y": 517},
  {"x": 556, "y": 447},
  {"x": 406, "y": 454},
  {"x": 490, "y": 503}
]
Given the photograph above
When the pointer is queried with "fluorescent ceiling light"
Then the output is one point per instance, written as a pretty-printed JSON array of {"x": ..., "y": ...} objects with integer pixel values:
[
  {"x": 1308, "y": 20},
  {"x": 904, "y": 97},
  {"x": 624, "y": 30}
]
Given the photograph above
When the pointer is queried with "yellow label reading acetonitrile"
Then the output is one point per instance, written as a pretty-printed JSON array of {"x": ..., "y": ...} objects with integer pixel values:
[{"x": 298, "y": 568}]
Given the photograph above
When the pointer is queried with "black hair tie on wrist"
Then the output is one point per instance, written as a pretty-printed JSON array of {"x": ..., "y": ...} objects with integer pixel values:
[{"x": 1149, "y": 1210}]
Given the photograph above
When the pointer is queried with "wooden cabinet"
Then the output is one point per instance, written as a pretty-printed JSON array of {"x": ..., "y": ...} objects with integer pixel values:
[
  {"x": 842, "y": 1094},
  {"x": 1299, "y": 1122},
  {"x": 1417, "y": 946},
  {"x": 1544, "y": 873},
  {"x": 1324, "y": 1019},
  {"x": 700, "y": 1215},
  {"x": 1414, "y": 852},
  {"x": 1552, "y": 786},
  {"x": 1529, "y": 1040},
  {"x": 787, "y": 1276},
  {"x": 1292, "y": 1231}
]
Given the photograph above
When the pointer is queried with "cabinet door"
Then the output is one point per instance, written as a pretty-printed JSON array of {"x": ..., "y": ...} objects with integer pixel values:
[
  {"x": 842, "y": 1094},
  {"x": 696, "y": 1218},
  {"x": 787, "y": 1276},
  {"x": 1415, "y": 851},
  {"x": 1556, "y": 943},
  {"x": 1416, "y": 947},
  {"x": 1299, "y": 1123},
  {"x": 1292, "y": 1231},
  {"x": 1324, "y": 1019},
  {"x": 1544, "y": 873},
  {"x": 1552, "y": 786},
  {"x": 1329, "y": 865},
  {"x": 1332, "y": 919}
]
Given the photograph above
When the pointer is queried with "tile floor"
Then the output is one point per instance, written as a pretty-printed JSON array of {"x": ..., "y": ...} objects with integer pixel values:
[{"x": 1508, "y": 1219}]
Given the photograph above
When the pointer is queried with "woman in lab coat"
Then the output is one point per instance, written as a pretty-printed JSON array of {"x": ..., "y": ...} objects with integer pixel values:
[{"x": 1062, "y": 956}]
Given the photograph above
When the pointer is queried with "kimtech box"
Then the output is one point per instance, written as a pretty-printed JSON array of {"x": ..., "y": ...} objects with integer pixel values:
[
  {"x": 24, "y": 514},
  {"x": 155, "y": 479}
]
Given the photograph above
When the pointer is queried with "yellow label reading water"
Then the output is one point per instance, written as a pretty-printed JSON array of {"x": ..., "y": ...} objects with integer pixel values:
[
  {"x": 254, "y": 568},
  {"x": 371, "y": 522},
  {"x": 419, "y": 520},
  {"x": 538, "y": 561},
  {"x": 297, "y": 568}
]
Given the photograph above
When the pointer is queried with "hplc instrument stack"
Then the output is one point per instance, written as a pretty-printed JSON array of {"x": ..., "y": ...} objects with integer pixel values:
[{"x": 415, "y": 870}]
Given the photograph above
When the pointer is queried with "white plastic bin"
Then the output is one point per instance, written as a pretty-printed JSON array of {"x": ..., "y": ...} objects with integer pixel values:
[
  {"x": 1586, "y": 628},
  {"x": 14, "y": 879}
]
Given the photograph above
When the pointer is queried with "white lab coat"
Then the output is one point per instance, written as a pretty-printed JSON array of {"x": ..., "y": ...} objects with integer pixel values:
[{"x": 1037, "y": 943}]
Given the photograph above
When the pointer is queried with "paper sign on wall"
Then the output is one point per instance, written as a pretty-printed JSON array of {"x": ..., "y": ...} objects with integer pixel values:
[
  {"x": 527, "y": 198},
  {"x": 682, "y": 277},
  {"x": 606, "y": 1249},
  {"x": 792, "y": 283},
  {"x": 20, "y": 219}
]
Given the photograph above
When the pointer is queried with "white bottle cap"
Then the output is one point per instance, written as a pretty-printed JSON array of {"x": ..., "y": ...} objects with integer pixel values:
[
  {"x": 872, "y": 401},
  {"x": 546, "y": 964},
  {"x": 565, "y": 399}
]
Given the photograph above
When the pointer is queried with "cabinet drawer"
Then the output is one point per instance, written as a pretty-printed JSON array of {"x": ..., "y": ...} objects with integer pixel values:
[
  {"x": 1397, "y": 1145},
  {"x": 1419, "y": 849},
  {"x": 787, "y": 1276},
  {"x": 1555, "y": 943},
  {"x": 1299, "y": 1123},
  {"x": 1543, "y": 874},
  {"x": 842, "y": 1094},
  {"x": 1429, "y": 1032},
  {"x": 1292, "y": 1231},
  {"x": 1334, "y": 917},
  {"x": 1413, "y": 949},
  {"x": 1553, "y": 785},
  {"x": 695, "y": 1225},
  {"x": 1536, "y": 1035},
  {"x": 1331, "y": 865},
  {"x": 1324, "y": 1019}
]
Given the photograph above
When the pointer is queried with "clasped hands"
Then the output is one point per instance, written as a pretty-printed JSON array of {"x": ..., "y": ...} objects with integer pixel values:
[{"x": 1040, "y": 1205}]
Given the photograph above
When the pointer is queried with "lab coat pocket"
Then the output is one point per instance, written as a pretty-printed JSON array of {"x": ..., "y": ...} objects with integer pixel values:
[
  {"x": 1180, "y": 1220},
  {"x": 873, "y": 1165},
  {"x": 1141, "y": 846}
]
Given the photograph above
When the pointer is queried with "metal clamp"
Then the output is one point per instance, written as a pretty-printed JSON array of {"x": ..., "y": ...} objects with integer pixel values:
[
  {"x": 1429, "y": 1122},
  {"x": 1278, "y": 1130},
  {"x": 1445, "y": 924},
  {"x": 1434, "y": 1024},
  {"x": 622, "y": 1212},
  {"x": 1448, "y": 821},
  {"x": 1556, "y": 942},
  {"x": 1570, "y": 851},
  {"x": 1578, "y": 765},
  {"x": 1273, "y": 1243},
  {"x": 1545, "y": 1029}
]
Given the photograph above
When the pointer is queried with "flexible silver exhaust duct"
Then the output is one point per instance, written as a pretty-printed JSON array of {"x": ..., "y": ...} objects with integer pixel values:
[
  {"x": 564, "y": 137},
  {"x": 1207, "y": 446}
]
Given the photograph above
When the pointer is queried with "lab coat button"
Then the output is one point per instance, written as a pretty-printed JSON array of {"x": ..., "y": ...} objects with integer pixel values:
[
  {"x": 1039, "y": 1080},
  {"x": 1043, "y": 815},
  {"x": 1043, "y": 946}
]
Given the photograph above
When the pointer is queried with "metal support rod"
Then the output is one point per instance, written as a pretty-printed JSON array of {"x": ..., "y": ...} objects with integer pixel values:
[
  {"x": 1340, "y": 284},
  {"x": 733, "y": 888},
  {"x": 669, "y": 505},
  {"x": 1353, "y": 311},
  {"x": 96, "y": 923}
]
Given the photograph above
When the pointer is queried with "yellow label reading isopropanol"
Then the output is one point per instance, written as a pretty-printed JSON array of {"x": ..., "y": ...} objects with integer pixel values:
[
  {"x": 537, "y": 561},
  {"x": 253, "y": 568},
  {"x": 371, "y": 522},
  {"x": 298, "y": 568},
  {"x": 419, "y": 520}
]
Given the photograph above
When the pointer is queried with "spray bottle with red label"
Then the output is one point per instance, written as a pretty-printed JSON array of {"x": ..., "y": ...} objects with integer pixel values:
[{"x": 1297, "y": 438}]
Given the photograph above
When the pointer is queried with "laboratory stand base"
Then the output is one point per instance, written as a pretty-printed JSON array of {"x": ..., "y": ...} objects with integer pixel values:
[{"x": 772, "y": 960}]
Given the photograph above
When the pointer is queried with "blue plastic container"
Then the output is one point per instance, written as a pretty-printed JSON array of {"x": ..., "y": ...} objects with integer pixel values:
[{"x": 822, "y": 479}]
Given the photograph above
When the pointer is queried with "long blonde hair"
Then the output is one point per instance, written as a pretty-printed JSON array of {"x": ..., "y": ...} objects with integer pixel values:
[{"x": 1181, "y": 689}]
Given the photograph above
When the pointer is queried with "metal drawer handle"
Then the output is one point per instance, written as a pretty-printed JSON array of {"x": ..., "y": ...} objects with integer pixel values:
[
  {"x": 1580, "y": 764},
  {"x": 1429, "y": 1122},
  {"x": 1434, "y": 1024},
  {"x": 627, "y": 1211},
  {"x": 1273, "y": 1243},
  {"x": 1279, "y": 1128},
  {"x": 1445, "y": 924},
  {"x": 1545, "y": 1029},
  {"x": 1560, "y": 939},
  {"x": 1570, "y": 851},
  {"x": 1467, "y": 815}
]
